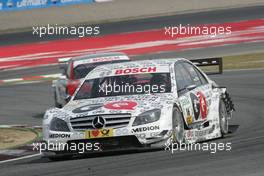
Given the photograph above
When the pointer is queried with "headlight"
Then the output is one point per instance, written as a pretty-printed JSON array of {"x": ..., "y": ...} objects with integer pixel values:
[
  {"x": 58, "y": 125},
  {"x": 147, "y": 117}
]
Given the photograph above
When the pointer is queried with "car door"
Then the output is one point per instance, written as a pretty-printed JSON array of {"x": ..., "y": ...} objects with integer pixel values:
[{"x": 193, "y": 91}]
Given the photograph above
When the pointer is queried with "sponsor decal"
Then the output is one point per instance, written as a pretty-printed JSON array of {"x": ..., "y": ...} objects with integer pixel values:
[
  {"x": 186, "y": 105},
  {"x": 136, "y": 70},
  {"x": 100, "y": 59},
  {"x": 100, "y": 133},
  {"x": 28, "y": 3},
  {"x": 205, "y": 132},
  {"x": 189, "y": 133},
  {"x": 87, "y": 108},
  {"x": 121, "y": 132},
  {"x": 199, "y": 133},
  {"x": 189, "y": 117},
  {"x": 59, "y": 136},
  {"x": 185, "y": 101},
  {"x": 121, "y": 105},
  {"x": 112, "y": 58},
  {"x": 145, "y": 136},
  {"x": 143, "y": 129}
]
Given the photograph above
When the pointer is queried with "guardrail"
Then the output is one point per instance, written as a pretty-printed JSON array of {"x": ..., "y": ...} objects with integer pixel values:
[{"x": 13, "y": 5}]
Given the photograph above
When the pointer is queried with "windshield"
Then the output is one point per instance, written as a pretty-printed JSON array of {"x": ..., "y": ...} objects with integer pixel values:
[
  {"x": 125, "y": 85},
  {"x": 82, "y": 70}
]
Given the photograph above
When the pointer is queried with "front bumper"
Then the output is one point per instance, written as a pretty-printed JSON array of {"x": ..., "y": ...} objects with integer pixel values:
[{"x": 82, "y": 145}]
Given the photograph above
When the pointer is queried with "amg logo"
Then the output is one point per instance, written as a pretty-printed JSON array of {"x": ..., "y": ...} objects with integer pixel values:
[
  {"x": 59, "y": 135},
  {"x": 142, "y": 129}
]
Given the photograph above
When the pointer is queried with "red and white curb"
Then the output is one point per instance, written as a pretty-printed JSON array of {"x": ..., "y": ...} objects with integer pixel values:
[
  {"x": 134, "y": 43},
  {"x": 30, "y": 79}
]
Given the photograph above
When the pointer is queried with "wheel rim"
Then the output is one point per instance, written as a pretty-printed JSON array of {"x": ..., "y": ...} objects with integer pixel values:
[{"x": 178, "y": 128}]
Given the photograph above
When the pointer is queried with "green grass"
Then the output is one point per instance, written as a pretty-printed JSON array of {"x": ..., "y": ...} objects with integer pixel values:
[{"x": 246, "y": 61}]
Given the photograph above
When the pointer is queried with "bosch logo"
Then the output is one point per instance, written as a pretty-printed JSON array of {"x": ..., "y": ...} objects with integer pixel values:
[{"x": 136, "y": 70}]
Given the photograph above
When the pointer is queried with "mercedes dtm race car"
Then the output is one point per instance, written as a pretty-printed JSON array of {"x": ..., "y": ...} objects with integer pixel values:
[
  {"x": 140, "y": 104},
  {"x": 75, "y": 69}
]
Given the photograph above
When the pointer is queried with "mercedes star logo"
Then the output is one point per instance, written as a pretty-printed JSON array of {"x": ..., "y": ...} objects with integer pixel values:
[{"x": 98, "y": 122}]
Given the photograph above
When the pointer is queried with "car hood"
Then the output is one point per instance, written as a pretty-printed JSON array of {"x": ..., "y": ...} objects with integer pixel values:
[{"x": 132, "y": 104}]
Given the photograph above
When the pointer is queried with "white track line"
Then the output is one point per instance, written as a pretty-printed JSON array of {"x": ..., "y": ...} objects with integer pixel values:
[
  {"x": 20, "y": 158},
  {"x": 31, "y": 78}
]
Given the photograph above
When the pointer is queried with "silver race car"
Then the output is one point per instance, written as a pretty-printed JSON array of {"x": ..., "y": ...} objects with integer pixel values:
[
  {"x": 140, "y": 104},
  {"x": 75, "y": 69}
]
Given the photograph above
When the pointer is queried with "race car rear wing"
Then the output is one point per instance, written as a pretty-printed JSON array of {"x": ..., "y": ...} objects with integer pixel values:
[
  {"x": 64, "y": 60},
  {"x": 63, "y": 64},
  {"x": 218, "y": 61}
]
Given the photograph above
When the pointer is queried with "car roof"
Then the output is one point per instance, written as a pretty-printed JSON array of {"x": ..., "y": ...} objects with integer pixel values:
[
  {"x": 100, "y": 58},
  {"x": 96, "y": 55},
  {"x": 107, "y": 69},
  {"x": 138, "y": 63}
]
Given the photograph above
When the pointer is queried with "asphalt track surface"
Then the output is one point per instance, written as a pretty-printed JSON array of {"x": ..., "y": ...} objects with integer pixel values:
[{"x": 26, "y": 103}]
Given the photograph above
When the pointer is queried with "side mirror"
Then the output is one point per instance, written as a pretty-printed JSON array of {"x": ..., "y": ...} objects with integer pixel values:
[
  {"x": 63, "y": 67},
  {"x": 68, "y": 98},
  {"x": 191, "y": 87}
]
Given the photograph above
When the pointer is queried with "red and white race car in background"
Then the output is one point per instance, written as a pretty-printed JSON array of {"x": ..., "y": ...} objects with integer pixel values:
[{"x": 75, "y": 69}]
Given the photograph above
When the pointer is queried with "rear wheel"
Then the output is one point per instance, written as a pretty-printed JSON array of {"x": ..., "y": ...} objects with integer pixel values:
[
  {"x": 223, "y": 118},
  {"x": 178, "y": 126}
]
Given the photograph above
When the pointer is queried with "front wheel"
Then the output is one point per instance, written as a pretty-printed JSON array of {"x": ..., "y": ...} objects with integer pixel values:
[
  {"x": 178, "y": 126},
  {"x": 223, "y": 118}
]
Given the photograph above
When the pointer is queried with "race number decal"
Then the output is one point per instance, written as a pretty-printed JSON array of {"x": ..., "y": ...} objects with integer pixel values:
[
  {"x": 195, "y": 105},
  {"x": 199, "y": 105},
  {"x": 203, "y": 105},
  {"x": 121, "y": 105}
]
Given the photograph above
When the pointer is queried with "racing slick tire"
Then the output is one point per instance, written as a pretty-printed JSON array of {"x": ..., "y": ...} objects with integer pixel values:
[
  {"x": 223, "y": 118},
  {"x": 178, "y": 130}
]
